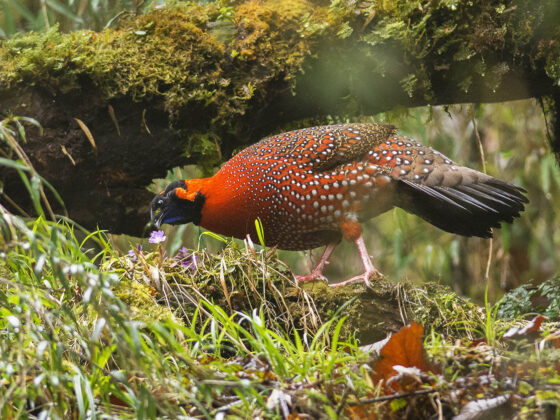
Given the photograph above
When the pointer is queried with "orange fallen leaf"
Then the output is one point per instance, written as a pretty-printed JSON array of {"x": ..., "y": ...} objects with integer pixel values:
[
  {"x": 404, "y": 349},
  {"x": 400, "y": 364}
]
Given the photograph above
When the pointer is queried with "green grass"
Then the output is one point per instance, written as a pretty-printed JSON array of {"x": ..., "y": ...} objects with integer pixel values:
[{"x": 71, "y": 347}]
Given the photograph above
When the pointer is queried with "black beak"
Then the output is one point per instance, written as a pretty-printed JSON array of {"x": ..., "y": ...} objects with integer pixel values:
[{"x": 157, "y": 217}]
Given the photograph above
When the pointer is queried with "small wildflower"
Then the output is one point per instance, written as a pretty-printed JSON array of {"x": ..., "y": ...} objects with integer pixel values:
[
  {"x": 183, "y": 252},
  {"x": 187, "y": 258},
  {"x": 132, "y": 253},
  {"x": 157, "y": 236},
  {"x": 189, "y": 263}
]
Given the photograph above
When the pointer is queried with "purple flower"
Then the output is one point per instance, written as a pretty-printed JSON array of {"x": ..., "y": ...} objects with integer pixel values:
[
  {"x": 187, "y": 258},
  {"x": 189, "y": 263},
  {"x": 183, "y": 252},
  {"x": 157, "y": 236},
  {"x": 132, "y": 253}
]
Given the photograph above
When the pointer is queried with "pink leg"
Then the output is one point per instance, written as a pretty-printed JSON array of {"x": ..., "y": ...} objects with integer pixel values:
[
  {"x": 369, "y": 269},
  {"x": 317, "y": 273}
]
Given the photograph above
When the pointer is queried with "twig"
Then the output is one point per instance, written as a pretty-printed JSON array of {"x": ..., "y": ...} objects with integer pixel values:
[
  {"x": 483, "y": 158},
  {"x": 224, "y": 285},
  {"x": 45, "y": 13},
  {"x": 342, "y": 401},
  {"x": 480, "y": 148},
  {"x": 394, "y": 397},
  {"x": 15, "y": 205}
]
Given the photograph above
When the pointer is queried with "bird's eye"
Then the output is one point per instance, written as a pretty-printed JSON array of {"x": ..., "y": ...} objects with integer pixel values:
[{"x": 160, "y": 202}]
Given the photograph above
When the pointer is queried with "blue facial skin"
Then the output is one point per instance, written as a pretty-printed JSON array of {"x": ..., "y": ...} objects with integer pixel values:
[{"x": 170, "y": 220}]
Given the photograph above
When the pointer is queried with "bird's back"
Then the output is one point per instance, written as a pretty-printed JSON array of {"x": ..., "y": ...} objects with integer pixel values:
[{"x": 304, "y": 184}]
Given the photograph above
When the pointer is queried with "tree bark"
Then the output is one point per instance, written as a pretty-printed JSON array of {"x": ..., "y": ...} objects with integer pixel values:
[{"x": 191, "y": 84}]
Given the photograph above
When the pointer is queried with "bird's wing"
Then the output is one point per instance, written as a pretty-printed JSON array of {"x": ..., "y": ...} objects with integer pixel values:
[
  {"x": 320, "y": 148},
  {"x": 350, "y": 142}
]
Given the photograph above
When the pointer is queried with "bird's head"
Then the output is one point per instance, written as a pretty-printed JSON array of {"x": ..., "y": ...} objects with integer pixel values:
[{"x": 178, "y": 204}]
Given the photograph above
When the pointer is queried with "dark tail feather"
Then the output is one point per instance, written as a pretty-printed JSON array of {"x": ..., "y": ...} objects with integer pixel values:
[{"x": 471, "y": 209}]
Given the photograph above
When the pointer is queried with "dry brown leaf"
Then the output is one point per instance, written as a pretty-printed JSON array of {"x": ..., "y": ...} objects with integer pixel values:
[
  {"x": 114, "y": 118},
  {"x": 65, "y": 152},
  {"x": 404, "y": 349},
  {"x": 87, "y": 132}
]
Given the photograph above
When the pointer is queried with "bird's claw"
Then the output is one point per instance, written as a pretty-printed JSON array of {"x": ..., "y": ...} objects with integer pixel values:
[
  {"x": 311, "y": 277},
  {"x": 362, "y": 277}
]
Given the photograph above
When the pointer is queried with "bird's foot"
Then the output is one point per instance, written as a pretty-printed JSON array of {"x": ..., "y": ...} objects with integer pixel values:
[
  {"x": 311, "y": 277},
  {"x": 362, "y": 277}
]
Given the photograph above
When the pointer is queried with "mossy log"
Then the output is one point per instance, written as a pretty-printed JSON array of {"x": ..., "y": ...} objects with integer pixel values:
[
  {"x": 243, "y": 282},
  {"x": 192, "y": 83}
]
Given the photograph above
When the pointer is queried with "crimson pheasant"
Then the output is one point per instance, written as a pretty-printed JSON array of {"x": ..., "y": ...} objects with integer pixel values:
[{"x": 314, "y": 186}]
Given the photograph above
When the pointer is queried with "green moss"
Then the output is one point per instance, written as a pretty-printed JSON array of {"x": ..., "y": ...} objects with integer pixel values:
[
  {"x": 239, "y": 280},
  {"x": 242, "y": 280},
  {"x": 543, "y": 299},
  {"x": 186, "y": 52},
  {"x": 343, "y": 301},
  {"x": 169, "y": 53},
  {"x": 455, "y": 33},
  {"x": 164, "y": 53},
  {"x": 208, "y": 64},
  {"x": 551, "y": 53},
  {"x": 141, "y": 300},
  {"x": 439, "y": 308}
]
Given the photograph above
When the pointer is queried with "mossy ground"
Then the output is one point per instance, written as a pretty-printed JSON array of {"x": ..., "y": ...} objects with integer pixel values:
[
  {"x": 462, "y": 339},
  {"x": 243, "y": 279}
]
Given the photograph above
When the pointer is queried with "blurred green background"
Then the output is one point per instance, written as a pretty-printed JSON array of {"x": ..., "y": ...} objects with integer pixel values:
[{"x": 403, "y": 246}]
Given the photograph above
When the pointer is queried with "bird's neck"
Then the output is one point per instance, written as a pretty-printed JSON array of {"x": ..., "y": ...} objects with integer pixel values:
[
  {"x": 223, "y": 211},
  {"x": 202, "y": 185}
]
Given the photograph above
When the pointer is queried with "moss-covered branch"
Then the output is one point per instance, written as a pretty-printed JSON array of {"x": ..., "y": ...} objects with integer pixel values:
[{"x": 190, "y": 83}]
